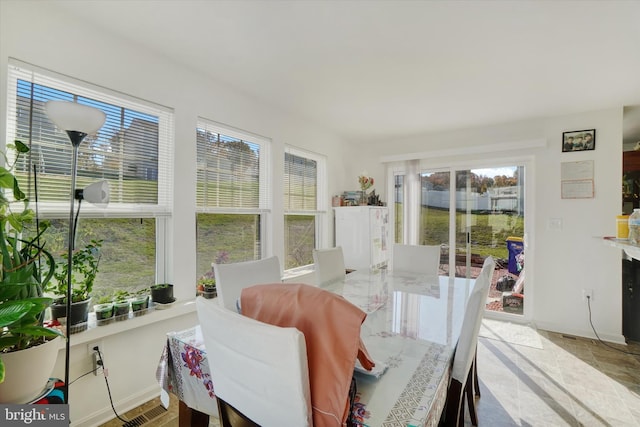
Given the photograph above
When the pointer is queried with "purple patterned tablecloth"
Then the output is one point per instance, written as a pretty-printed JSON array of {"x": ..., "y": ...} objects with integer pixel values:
[{"x": 184, "y": 371}]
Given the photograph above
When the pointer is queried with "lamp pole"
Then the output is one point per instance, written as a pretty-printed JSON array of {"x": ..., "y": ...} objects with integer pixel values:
[
  {"x": 77, "y": 121},
  {"x": 76, "y": 138}
]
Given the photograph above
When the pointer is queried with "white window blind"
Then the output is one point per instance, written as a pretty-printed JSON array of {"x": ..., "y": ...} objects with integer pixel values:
[
  {"x": 304, "y": 205},
  {"x": 302, "y": 174},
  {"x": 132, "y": 150},
  {"x": 232, "y": 170}
]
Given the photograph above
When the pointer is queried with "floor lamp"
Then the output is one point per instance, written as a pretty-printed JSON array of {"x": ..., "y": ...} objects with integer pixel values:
[{"x": 78, "y": 121}]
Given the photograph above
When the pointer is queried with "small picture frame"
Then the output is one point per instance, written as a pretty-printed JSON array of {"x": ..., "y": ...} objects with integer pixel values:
[{"x": 579, "y": 140}]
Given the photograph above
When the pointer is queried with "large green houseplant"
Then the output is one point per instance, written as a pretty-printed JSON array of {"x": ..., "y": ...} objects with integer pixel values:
[{"x": 26, "y": 267}]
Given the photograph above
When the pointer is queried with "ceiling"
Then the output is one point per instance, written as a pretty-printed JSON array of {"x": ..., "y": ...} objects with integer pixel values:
[{"x": 370, "y": 70}]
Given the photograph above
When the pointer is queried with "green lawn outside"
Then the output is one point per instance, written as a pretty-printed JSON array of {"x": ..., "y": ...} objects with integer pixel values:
[
  {"x": 127, "y": 255},
  {"x": 226, "y": 238},
  {"x": 489, "y": 231}
]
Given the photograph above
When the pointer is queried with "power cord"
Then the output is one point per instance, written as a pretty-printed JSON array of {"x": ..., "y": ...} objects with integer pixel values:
[
  {"x": 597, "y": 336},
  {"x": 85, "y": 374},
  {"x": 101, "y": 363}
]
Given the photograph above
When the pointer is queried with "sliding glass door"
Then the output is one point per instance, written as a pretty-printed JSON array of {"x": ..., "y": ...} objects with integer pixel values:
[{"x": 478, "y": 213}]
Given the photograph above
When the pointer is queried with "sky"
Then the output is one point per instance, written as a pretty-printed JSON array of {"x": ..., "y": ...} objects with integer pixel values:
[{"x": 491, "y": 172}]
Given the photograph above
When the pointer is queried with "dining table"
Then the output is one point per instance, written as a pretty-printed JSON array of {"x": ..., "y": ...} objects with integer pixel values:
[{"x": 411, "y": 329}]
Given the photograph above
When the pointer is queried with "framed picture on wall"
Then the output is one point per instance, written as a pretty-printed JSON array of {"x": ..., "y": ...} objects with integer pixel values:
[{"x": 579, "y": 140}]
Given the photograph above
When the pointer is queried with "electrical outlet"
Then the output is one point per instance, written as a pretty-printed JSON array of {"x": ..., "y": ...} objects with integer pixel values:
[
  {"x": 91, "y": 345},
  {"x": 96, "y": 365},
  {"x": 587, "y": 293}
]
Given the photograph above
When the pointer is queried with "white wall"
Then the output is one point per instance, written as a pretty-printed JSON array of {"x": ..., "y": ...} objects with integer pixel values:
[
  {"x": 560, "y": 263},
  {"x": 35, "y": 32}
]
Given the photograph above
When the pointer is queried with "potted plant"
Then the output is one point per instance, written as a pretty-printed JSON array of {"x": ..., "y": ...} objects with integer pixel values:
[
  {"x": 28, "y": 350},
  {"x": 162, "y": 293},
  {"x": 206, "y": 285},
  {"x": 84, "y": 270},
  {"x": 121, "y": 304},
  {"x": 140, "y": 302},
  {"x": 209, "y": 288},
  {"x": 104, "y": 311}
]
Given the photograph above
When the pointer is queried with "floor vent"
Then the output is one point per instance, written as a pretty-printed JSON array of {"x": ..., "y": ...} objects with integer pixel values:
[
  {"x": 155, "y": 412},
  {"x": 146, "y": 417},
  {"x": 137, "y": 421},
  {"x": 569, "y": 337}
]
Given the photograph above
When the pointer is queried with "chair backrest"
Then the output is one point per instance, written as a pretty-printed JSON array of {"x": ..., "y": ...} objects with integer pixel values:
[
  {"x": 331, "y": 326},
  {"x": 232, "y": 278},
  {"x": 468, "y": 340},
  {"x": 259, "y": 369},
  {"x": 416, "y": 258},
  {"x": 329, "y": 265}
]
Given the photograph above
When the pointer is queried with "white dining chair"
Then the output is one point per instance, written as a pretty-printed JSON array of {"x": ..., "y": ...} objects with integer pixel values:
[
  {"x": 488, "y": 272},
  {"x": 416, "y": 258},
  {"x": 461, "y": 386},
  {"x": 329, "y": 265},
  {"x": 232, "y": 278},
  {"x": 332, "y": 327},
  {"x": 259, "y": 371}
]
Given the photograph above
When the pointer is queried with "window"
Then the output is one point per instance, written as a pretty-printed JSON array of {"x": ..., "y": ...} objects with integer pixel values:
[
  {"x": 131, "y": 151},
  {"x": 232, "y": 195},
  {"x": 303, "y": 205}
]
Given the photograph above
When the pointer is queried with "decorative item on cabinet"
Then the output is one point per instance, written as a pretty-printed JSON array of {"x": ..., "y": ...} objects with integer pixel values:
[{"x": 365, "y": 182}]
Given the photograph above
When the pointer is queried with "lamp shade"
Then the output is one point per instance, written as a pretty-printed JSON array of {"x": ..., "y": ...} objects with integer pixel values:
[
  {"x": 96, "y": 193},
  {"x": 71, "y": 116}
]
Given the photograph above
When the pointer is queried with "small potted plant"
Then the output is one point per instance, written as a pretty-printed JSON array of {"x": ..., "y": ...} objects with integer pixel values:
[
  {"x": 104, "y": 311},
  {"x": 140, "y": 302},
  {"x": 207, "y": 285},
  {"x": 121, "y": 304},
  {"x": 162, "y": 293},
  {"x": 209, "y": 288}
]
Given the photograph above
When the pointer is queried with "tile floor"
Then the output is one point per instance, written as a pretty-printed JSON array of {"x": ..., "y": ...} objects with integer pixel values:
[{"x": 569, "y": 382}]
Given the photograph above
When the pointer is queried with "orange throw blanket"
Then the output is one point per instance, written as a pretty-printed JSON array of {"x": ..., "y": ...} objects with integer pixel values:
[{"x": 331, "y": 326}]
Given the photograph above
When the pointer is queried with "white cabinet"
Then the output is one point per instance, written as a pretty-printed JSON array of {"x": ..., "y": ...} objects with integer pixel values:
[{"x": 362, "y": 232}]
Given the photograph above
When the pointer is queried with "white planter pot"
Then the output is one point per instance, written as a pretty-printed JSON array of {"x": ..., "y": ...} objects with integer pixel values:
[{"x": 27, "y": 372}]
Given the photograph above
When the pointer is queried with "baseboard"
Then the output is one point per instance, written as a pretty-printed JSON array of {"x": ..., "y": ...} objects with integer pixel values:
[
  {"x": 122, "y": 407},
  {"x": 585, "y": 333}
]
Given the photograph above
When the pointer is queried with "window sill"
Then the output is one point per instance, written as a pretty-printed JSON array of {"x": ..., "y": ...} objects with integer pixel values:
[{"x": 94, "y": 332}]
